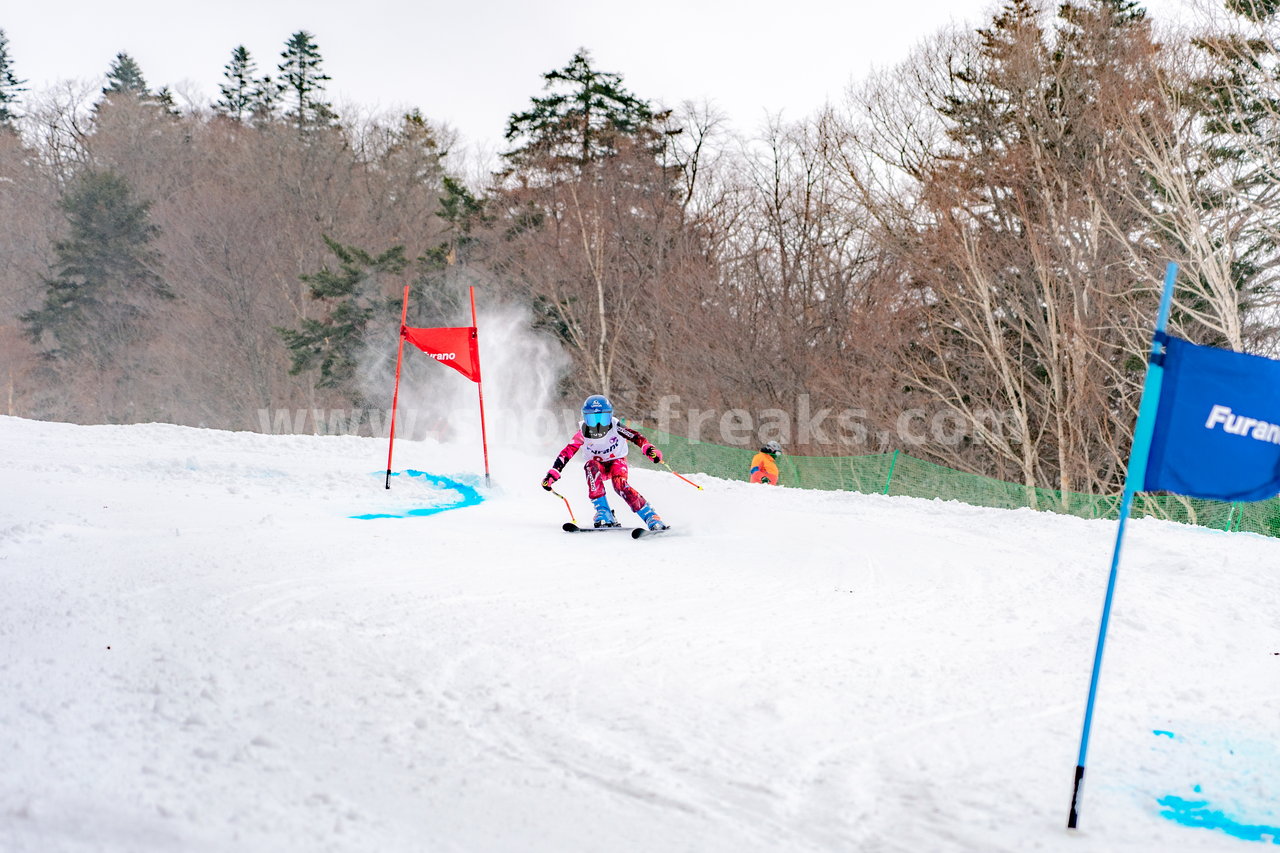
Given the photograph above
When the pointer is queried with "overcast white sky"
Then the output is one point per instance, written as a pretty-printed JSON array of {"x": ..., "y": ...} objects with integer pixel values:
[{"x": 472, "y": 64}]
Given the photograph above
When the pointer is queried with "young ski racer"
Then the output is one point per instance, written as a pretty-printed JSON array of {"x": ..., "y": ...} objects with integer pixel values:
[{"x": 605, "y": 441}]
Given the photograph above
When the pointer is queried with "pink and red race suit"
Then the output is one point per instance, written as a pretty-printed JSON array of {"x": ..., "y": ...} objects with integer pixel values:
[{"x": 606, "y": 459}]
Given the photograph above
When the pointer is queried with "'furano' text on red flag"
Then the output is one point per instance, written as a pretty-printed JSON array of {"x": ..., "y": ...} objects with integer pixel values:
[{"x": 456, "y": 347}]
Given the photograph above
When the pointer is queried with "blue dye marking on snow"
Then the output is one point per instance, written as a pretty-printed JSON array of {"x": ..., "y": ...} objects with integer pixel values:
[
  {"x": 1162, "y": 732},
  {"x": 467, "y": 496},
  {"x": 1198, "y": 813}
]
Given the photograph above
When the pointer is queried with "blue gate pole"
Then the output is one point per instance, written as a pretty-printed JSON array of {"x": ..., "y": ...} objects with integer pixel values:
[{"x": 1133, "y": 482}]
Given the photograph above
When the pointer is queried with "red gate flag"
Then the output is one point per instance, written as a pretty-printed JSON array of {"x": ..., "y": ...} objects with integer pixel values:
[{"x": 456, "y": 347}]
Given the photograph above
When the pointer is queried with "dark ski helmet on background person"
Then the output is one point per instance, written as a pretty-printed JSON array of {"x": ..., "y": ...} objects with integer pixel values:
[
  {"x": 772, "y": 448},
  {"x": 597, "y": 416}
]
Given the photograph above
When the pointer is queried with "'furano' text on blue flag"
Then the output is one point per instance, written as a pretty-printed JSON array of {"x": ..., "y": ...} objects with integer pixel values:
[
  {"x": 1217, "y": 429},
  {"x": 1240, "y": 425}
]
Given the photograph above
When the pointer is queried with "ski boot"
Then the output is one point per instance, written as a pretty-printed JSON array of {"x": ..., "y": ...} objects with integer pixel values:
[
  {"x": 651, "y": 518},
  {"x": 604, "y": 515}
]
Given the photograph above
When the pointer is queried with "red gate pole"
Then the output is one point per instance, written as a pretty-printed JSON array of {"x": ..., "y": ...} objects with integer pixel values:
[
  {"x": 484, "y": 440},
  {"x": 395, "y": 398}
]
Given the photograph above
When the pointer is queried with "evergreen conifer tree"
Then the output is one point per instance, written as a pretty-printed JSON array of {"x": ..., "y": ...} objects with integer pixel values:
[
  {"x": 10, "y": 86},
  {"x": 301, "y": 83},
  {"x": 582, "y": 119},
  {"x": 104, "y": 272},
  {"x": 463, "y": 210},
  {"x": 164, "y": 100},
  {"x": 1254, "y": 10},
  {"x": 125, "y": 76},
  {"x": 351, "y": 293},
  {"x": 586, "y": 185},
  {"x": 244, "y": 94}
]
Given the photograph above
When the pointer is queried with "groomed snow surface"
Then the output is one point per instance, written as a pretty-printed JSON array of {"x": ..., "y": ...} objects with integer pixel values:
[{"x": 201, "y": 649}]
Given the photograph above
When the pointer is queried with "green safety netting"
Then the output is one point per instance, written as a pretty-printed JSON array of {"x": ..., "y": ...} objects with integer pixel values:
[{"x": 899, "y": 474}]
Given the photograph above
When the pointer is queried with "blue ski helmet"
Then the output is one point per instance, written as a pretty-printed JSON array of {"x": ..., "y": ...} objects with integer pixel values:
[{"x": 597, "y": 416}]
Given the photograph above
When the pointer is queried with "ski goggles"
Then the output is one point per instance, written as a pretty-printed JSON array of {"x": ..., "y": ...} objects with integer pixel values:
[{"x": 597, "y": 419}]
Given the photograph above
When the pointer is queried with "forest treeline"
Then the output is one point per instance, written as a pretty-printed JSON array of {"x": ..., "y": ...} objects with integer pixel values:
[{"x": 977, "y": 235}]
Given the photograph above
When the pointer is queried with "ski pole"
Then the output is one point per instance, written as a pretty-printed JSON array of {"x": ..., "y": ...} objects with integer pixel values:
[
  {"x": 682, "y": 477},
  {"x": 566, "y": 504}
]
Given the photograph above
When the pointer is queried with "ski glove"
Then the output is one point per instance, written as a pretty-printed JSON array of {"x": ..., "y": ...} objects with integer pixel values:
[
  {"x": 551, "y": 477},
  {"x": 652, "y": 453}
]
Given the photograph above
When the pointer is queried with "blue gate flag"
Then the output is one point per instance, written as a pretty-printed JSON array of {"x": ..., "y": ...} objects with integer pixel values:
[{"x": 1217, "y": 428}]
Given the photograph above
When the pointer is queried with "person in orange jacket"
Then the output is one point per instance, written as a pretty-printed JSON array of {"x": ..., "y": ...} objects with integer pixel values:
[{"x": 764, "y": 467}]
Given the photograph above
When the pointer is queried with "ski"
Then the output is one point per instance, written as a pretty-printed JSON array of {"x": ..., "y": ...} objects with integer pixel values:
[
  {"x": 570, "y": 527},
  {"x": 642, "y": 531},
  {"x": 636, "y": 532}
]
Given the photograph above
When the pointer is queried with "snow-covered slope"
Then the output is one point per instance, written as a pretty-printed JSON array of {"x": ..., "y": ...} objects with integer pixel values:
[{"x": 201, "y": 649}]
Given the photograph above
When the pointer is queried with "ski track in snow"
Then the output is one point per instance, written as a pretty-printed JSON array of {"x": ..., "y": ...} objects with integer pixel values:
[{"x": 200, "y": 649}]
